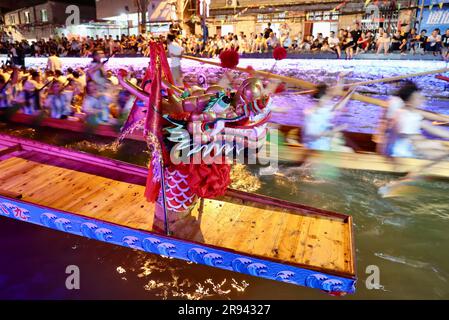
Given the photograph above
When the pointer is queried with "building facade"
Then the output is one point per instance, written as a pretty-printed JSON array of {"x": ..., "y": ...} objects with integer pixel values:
[
  {"x": 145, "y": 15},
  {"x": 305, "y": 17},
  {"x": 44, "y": 20}
]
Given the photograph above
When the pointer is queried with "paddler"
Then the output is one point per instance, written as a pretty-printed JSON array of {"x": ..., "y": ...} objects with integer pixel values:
[
  {"x": 408, "y": 140},
  {"x": 407, "y": 123},
  {"x": 30, "y": 95},
  {"x": 96, "y": 71},
  {"x": 5, "y": 95},
  {"x": 387, "y": 132},
  {"x": 57, "y": 101},
  {"x": 95, "y": 104},
  {"x": 319, "y": 132}
]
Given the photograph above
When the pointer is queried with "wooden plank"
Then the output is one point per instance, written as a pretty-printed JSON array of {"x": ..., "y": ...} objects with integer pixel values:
[
  {"x": 10, "y": 194},
  {"x": 236, "y": 231},
  {"x": 290, "y": 238}
]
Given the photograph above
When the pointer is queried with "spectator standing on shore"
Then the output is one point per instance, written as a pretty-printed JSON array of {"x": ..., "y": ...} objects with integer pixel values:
[
  {"x": 53, "y": 62},
  {"x": 284, "y": 29},
  {"x": 75, "y": 48},
  {"x": 267, "y": 31},
  {"x": 356, "y": 32},
  {"x": 175, "y": 52}
]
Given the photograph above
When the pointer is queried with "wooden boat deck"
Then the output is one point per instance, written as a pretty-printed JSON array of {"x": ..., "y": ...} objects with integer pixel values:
[{"x": 288, "y": 233}]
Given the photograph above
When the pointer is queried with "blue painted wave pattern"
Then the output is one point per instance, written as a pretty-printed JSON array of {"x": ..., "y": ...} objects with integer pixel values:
[
  {"x": 244, "y": 265},
  {"x": 155, "y": 245},
  {"x": 92, "y": 231},
  {"x": 174, "y": 248},
  {"x": 285, "y": 276},
  {"x": 201, "y": 256},
  {"x": 132, "y": 242},
  {"x": 323, "y": 282},
  {"x": 52, "y": 221}
]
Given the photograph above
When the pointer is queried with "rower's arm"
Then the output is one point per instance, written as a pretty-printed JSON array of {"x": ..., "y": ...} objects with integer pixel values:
[
  {"x": 437, "y": 131},
  {"x": 135, "y": 90}
]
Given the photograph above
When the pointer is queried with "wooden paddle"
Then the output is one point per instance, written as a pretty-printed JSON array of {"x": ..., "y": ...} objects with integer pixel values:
[
  {"x": 397, "y": 78},
  {"x": 440, "y": 123}
]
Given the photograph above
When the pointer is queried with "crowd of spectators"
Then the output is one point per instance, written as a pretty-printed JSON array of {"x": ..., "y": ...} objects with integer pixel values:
[{"x": 345, "y": 43}]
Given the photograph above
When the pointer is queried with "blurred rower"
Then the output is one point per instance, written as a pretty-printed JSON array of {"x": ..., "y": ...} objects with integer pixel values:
[
  {"x": 30, "y": 98},
  {"x": 407, "y": 123},
  {"x": 4, "y": 93},
  {"x": 57, "y": 101},
  {"x": 96, "y": 105},
  {"x": 319, "y": 132},
  {"x": 96, "y": 71}
]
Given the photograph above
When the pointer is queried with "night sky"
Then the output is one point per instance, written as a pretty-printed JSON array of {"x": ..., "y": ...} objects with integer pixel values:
[{"x": 16, "y": 4}]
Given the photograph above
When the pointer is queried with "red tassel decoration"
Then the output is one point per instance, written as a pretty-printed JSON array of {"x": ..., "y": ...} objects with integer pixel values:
[{"x": 229, "y": 58}]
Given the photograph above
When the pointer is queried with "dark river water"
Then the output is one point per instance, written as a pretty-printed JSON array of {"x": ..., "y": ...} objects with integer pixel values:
[{"x": 406, "y": 238}]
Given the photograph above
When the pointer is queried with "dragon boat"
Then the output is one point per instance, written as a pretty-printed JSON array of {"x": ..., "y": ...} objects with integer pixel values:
[
  {"x": 103, "y": 199},
  {"x": 181, "y": 205}
]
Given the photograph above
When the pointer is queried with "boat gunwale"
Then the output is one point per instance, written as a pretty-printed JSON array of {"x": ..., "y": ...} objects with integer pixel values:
[{"x": 70, "y": 154}]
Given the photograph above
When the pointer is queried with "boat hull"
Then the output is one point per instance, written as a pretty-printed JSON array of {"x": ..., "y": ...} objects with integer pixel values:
[{"x": 102, "y": 199}]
